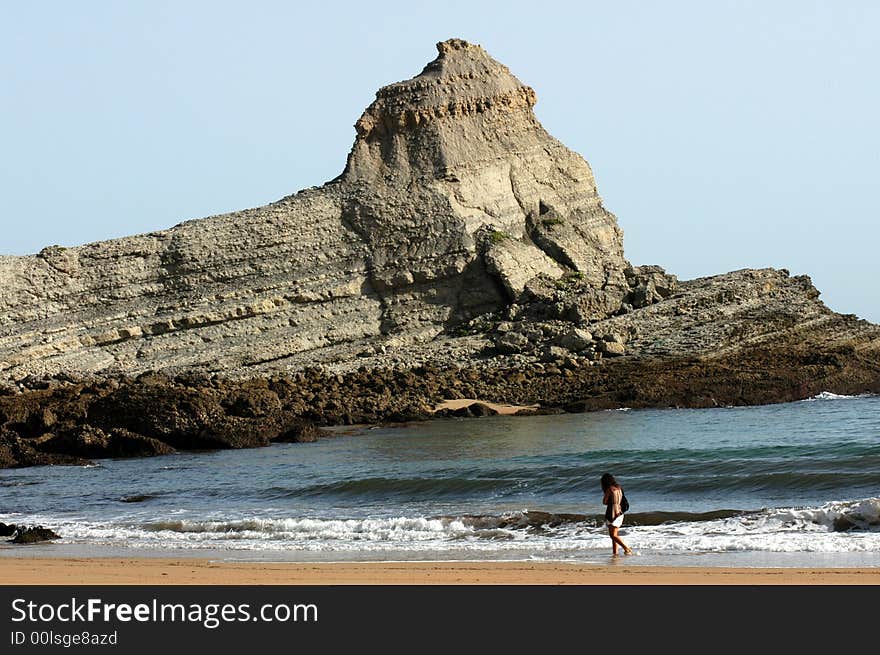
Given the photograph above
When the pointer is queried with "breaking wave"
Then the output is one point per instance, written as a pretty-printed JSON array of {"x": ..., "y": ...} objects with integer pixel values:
[
  {"x": 827, "y": 395},
  {"x": 845, "y": 526}
]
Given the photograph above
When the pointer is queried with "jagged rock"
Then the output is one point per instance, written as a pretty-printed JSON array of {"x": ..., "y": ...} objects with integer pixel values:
[
  {"x": 174, "y": 414},
  {"x": 554, "y": 354},
  {"x": 720, "y": 314},
  {"x": 7, "y": 530},
  {"x": 473, "y": 410},
  {"x": 516, "y": 261},
  {"x": 576, "y": 340},
  {"x": 301, "y": 433},
  {"x": 93, "y": 443},
  {"x": 481, "y": 409},
  {"x": 843, "y": 524},
  {"x": 252, "y": 403},
  {"x": 571, "y": 363},
  {"x": 612, "y": 348},
  {"x": 33, "y": 535},
  {"x": 136, "y": 498},
  {"x": 16, "y": 451},
  {"x": 570, "y": 299},
  {"x": 649, "y": 284},
  {"x": 513, "y": 342}
]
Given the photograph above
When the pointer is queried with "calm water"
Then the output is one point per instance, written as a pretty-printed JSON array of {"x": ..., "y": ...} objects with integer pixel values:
[{"x": 797, "y": 483}]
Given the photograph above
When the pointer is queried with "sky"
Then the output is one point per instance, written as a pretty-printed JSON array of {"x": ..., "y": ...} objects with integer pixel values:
[{"x": 723, "y": 135}]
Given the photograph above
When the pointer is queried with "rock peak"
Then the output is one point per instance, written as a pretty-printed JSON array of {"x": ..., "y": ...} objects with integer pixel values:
[
  {"x": 459, "y": 62},
  {"x": 461, "y": 99},
  {"x": 452, "y": 45},
  {"x": 467, "y": 55}
]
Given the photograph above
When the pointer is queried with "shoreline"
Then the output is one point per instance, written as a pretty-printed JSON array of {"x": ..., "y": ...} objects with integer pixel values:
[
  {"x": 75, "y": 420},
  {"x": 202, "y": 571}
]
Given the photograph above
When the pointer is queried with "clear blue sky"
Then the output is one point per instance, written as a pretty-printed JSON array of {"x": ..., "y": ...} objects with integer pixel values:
[{"x": 723, "y": 135}]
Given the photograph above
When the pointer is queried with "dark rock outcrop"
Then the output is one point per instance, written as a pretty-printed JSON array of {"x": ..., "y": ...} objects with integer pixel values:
[{"x": 33, "y": 535}]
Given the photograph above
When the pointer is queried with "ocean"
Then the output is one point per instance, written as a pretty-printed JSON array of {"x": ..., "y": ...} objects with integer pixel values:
[{"x": 795, "y": 484}]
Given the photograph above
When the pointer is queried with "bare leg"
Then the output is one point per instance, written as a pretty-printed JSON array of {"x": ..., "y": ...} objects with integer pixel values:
[
  {"x": 615, "y": 540},
  {"x": 612, "y": 532}
]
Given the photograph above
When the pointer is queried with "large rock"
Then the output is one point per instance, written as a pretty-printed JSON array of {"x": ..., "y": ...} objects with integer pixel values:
[
  {"x": 576, "y": 339},
  {"x": 516, "y": 261},
  {"x": 91, "y": 442},
  {"x": 649, "y": 284},
  {"x": 713, "y": 316},
  {"x": 16, "y": 451},
  {"x": 513, "y": 342},
  {"x": 612, "y": 348},
  {"x": 390, "y": 250},
  {"x": 33, "y": 535}
]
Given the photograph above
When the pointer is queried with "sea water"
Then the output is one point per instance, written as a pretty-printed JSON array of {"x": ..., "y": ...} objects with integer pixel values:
[{"x": 795, "y": 484}]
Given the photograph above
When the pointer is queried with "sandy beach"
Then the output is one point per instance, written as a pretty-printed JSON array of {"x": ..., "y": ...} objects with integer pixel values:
[
  {"x": 502, "y": 409},
  {"x": 154, "y": 571}
]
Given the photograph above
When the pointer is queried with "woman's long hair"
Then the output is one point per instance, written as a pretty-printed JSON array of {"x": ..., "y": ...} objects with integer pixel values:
[{"x": 608, "y": 481}]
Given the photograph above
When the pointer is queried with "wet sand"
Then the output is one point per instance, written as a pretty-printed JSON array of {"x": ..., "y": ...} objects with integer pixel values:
[
  {"x": 502, "y": 409},
  {"x": 156, "y": 571}
]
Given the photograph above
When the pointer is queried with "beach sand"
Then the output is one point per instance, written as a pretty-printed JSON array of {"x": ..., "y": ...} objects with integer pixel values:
[
  {"x": 502, "y": 409},
  {"x": 155, "y": 571}
]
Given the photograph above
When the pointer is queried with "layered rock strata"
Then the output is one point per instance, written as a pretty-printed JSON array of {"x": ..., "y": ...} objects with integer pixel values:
[
  {"x": 462, "y": 253},
  {"x": 452, "y": 198}
]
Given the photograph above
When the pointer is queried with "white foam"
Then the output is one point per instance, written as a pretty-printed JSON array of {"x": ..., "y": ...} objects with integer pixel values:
[
  {"x": 827, "y": 395},
  {"x": 777, "y": 530},
  {"x": 796, "y": 529}
]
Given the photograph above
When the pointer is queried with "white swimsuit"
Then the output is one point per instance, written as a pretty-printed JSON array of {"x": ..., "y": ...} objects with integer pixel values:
[{"x": 617, "y": 522}]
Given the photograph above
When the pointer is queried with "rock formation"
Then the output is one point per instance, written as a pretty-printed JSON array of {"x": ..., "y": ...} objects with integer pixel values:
[
  {"x": 452, "y": 198},
  {"x": 460, "y": 236}
]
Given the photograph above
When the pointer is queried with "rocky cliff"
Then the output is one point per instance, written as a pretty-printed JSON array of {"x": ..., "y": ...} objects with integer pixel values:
[
  {"x": 452, "y": 198},
  {"x": 461, "y": 242}
]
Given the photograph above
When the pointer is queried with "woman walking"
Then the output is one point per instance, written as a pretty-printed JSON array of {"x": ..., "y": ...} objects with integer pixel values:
[{"x": 612, "y": 495}]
